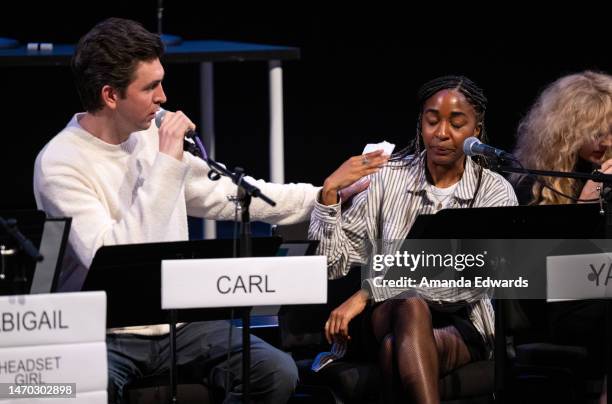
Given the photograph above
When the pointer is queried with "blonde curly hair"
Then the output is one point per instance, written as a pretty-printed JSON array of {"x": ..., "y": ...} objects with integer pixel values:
[{"x": 571, "y": 112}]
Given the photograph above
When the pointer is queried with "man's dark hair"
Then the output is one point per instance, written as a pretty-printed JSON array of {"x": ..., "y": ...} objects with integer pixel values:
[{"x": 109, "y": 55}]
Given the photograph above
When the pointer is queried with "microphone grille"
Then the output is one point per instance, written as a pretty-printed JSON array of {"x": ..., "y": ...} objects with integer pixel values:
[
  {"x": 468, "y": 144},
  {"x": 159, "y": 117}
]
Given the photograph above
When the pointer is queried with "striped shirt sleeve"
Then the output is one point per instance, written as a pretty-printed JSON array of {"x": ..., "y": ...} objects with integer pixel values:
[{"x": 342, "y": 234}]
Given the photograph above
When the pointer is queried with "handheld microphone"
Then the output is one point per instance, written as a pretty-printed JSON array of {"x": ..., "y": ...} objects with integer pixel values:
[
  {"x": 159, "y": 118},
  {"x": 474, "y": 147},
  {"x": 191, "y": 143}
]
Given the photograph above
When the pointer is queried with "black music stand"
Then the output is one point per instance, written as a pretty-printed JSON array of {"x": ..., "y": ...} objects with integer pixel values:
[
  {"x": 131, "y": 277},
  {"x": 30, "y": 223},
  {"x": 52, "y": 247},
  {"x": 541, "y": 221},
  {"x": 572, "y": 221}
]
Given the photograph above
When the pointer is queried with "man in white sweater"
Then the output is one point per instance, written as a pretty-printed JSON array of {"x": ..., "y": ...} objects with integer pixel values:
[{"x": 123, "y": 180}]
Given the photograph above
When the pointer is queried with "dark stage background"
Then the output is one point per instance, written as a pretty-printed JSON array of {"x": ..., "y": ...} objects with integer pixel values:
[{"x": 355, "y": 83}]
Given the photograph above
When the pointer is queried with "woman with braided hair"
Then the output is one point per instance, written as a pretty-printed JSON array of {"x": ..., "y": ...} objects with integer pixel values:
[{"x": 422, "y": 333}]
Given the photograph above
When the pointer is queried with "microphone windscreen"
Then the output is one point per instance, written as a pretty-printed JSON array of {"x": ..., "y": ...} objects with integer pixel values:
[
  {"x": 468, "y": 144},
  {"x": 159, "y": 117}
]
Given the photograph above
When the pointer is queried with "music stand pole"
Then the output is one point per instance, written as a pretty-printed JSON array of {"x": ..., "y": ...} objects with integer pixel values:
[
  {"x": 245, "y": 251},
  {"x": 173, "y": 368}
]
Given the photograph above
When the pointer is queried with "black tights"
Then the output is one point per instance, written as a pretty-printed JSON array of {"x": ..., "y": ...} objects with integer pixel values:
[{"x": 412, "y": 351}]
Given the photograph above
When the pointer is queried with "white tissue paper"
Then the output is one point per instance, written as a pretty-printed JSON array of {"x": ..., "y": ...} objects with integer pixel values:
[
  {"x": 386, "y": 146},
  {"x": 370, "y": 147}
]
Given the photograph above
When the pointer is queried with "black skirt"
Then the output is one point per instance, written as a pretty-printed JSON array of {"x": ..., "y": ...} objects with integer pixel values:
[{"x": 442, "y": 315}]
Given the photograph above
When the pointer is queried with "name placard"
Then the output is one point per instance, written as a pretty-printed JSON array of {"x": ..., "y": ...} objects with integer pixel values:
[
  {"x": 60, "y": 318},
  {"x": 582, "y": 276},
  {"x": 83, "y": 364},
  {"x": 234, "y": 282},
  {"x": 50, "y": 339}
]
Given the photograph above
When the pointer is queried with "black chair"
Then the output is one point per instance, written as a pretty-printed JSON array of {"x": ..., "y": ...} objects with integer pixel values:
[{"x": 538, "y": 370}]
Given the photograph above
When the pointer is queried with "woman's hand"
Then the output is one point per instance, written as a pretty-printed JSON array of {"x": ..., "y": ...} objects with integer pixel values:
[
  {"x": 350, "y": 171},
  {"x": 591, "y": 189},
  {"x": 336, "y": 327}
]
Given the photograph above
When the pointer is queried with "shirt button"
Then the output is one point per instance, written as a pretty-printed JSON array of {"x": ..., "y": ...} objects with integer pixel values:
[{"x": 332, "y": 213}]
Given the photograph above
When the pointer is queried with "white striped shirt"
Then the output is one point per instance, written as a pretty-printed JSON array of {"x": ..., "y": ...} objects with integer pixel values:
[{"x": 387, "y": 210}]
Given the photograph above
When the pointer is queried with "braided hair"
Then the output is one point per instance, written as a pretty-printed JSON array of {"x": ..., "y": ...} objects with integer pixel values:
[{"x": 474, "y": 95}]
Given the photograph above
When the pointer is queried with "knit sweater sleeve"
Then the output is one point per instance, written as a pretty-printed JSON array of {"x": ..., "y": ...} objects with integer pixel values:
[
  {"x": 209, "y": 199},
  {"x": 63, "y": 188}
]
